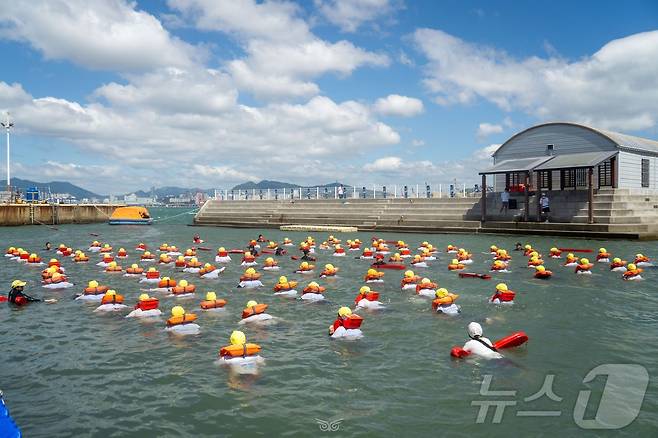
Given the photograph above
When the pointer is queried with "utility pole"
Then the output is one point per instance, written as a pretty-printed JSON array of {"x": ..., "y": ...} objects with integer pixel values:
[{"x": 8, "y": 125}]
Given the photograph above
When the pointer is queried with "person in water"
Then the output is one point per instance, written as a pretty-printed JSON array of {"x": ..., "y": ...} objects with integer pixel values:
[
  {"x": 48, "y": 247},
  {"x": 196, "y": 238},
  {"x": 17, "y": 296},
  {"x": 261, "y": 238},
  {"x": 478, "y": 344},
  {"x": 306, "y": 255},
  {"x": 518, "y": 246}
]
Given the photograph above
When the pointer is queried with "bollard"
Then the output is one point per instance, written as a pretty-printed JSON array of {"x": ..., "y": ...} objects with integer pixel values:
[{"x": 384, "y": 191}]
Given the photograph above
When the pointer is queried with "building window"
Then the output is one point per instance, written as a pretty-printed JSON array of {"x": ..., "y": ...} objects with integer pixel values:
[
  {"x": 549, "y": 149},
  {"x": 645, "y": 172},
  {"x": 581, "y": 177},
  {"x": 515, "y": 181},
  {"x": 605, "y": 174},
  {"x": 568, "y": 178},
  {"x": 545, "y": 180}
]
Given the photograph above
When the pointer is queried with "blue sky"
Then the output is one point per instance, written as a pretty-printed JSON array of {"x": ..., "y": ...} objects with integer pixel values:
[{"x": 117, "y": 96}]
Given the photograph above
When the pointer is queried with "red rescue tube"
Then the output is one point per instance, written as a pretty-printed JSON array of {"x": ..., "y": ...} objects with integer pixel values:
[
  {"x": 458, "y": 352},
  {"x": 236, "y": 251},
  {"x": 268, "y": 251},
  {"x": 203, "y": 248},
  {"x": 388, "y": 266},
  {"x": 511, "y": 341},
  {"x": 474, "y": 275},
  {"x": 3, "y": 298},
  {"x": 575, "y": 250}
]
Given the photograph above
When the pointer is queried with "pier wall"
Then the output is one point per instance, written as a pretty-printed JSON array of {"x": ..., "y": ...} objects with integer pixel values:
[{"x": 54, "y": 214}]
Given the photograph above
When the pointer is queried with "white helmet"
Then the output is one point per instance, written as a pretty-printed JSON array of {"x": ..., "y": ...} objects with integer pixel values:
[{"x": 474, "y": 330}]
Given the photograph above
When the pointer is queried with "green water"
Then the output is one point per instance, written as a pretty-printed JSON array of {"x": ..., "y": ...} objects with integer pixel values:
[{"x": 67, "y": 371}]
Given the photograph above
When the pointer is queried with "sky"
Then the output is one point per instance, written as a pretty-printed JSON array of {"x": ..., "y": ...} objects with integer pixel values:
[{"x": 117, "y": 96}]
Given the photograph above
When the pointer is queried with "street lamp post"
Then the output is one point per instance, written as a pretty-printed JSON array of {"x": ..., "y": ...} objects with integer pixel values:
[{"x": 8, "y": 125}]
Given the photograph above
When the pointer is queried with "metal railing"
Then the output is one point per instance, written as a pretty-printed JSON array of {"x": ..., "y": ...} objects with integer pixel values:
[{"x": 372, "y": 191}]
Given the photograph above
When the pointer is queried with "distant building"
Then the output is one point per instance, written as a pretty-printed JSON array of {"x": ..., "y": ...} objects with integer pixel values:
[{"x": 133, "y": 199}]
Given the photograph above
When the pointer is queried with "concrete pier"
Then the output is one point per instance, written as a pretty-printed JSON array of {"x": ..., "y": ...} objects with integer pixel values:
[
  {"x": 617, "y": 214},
  {"x": 54, "y": 214}
]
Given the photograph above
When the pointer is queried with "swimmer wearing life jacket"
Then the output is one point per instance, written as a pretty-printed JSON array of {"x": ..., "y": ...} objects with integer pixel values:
[
  {"x": 374, "y": 276},
  {"x": 189, "y": 253},
  {"x": 426, "y": 254},
  {"x": 346, "y": 325},
  {"x": 165, "y": 259},
  {"x": 260, "y": 239},
  {"x": 455, "y": 265},
  {"x": 478, "y": 345},
  {"x": 555, "y": 253},
  {"x": 324, "y": 245},
  {"x": 173, "y": 250},
  {"x": 270, "y": 264},
  {"x": 53, "y": 262},
  {"x": 106, "y": 248},
  {"x": 34, "y": 259},
  {"x": 367, "y": 254},
  {"x": 141, "y": 247},
  {"x": 329, "y": 271},
  {"x": 423, "y": 245},
  {"x": 368, "y": 299},
  {"x": 146, "y": 307},
  {"x": 641, "y": 259},
  {"x": 105, "y": 261},
  {"x": 206, "y": 269},
  {"x": 10, "y": 251},
  {"x": 112, "y": 267},
  {"x": 197, "y": 239},
  {"x": 252, "y": 248},
  {"x": 571, "y": 260},
  {"x": 339, "y": 251},
  {"x": 285, "y": 287},
  {"x": 618, "y": 265},
  {"x": 152, "y": 274},
  {"x": 418, "y": 261},
  {"x": 426, "y": 288},
  {"x": 166, "y": 284},
  {"x": 409, "y": 281},
  {"x": 306, "y": 251},
  {"x": 56, "y": 281},
  {"x": 584, "y": 267},
  {"x": 332, "y": 240},
  {"x": 93, "y": 288},
  {"x": 603, "y": 256},
  {"x": 16, "y": 295},
  {"x": 111, "y": 301},
  {"x": 632, "y": 272},
  {"x": 527, "y": 250},
  {"x": 95, "y": 246},
  {"x": 493, "y": 250},
  {"x": 183, "y": 289},
  {"x": 463, "y": 256},
  {"x": 122, "y": 253},
  {"x": 193, "y": 265},
  {"x": 254, "y": 312},
  {"x": 534, "y": 262},
  {"x": 164, "y": 247},
  {"x": 212, "y": 302},
  {"x": 498, "y": 266},
  {"x": 134, "y": 270},
  {"x": 288, "y": 242},
  {"x": 542, "y": 273},
  {"x": 313, "y": 291},
  {"x": 182, "y": 322},
  {"x": 379, "y": 259},
  {"x": 239, "y": 351},
  {"x": 502, "y": 295},
  {"x": 250, "y": 279},
  {"x": 503, "y": 256},
  {"x": 147, "y": 256},
  {"x": 451, "y": 249},
  {"x": 248, "y": 259},
  {"x": 445, "y": 302},
  {"x": 80, "y": 257},
  {"x": 395, "y": 257},
  {"x": 305, "y": 268},
  {"x": 23, "y": 256},
  {"x": 180, "y": 262},
  {"x": 354, "y": 245},
  {"x": 222, "y": 256}
]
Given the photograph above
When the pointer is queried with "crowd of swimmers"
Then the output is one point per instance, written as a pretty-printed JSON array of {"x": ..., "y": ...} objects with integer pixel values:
[{"x": 381, "y": 255}]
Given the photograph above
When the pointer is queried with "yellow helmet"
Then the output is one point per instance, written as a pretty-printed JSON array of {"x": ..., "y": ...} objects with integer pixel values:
[
  {"x": 283, "y": 279},
  {"x": 344, "y": 311},
  {"x": 17, "y": 283},
  {"x": 147, "y": 253},
  {"x": 269, "y": 260},
  {"x": 252, "y": 303},
  {"x": 165, "y": 279},
  {"x": 409, "y": 273},
  {"x": 493, "y": 248},
  {"x": 177, "y": 311},
  {"x": 442, "y": 292},
  {"x": 570, "y": 255},
  {"x": 207, "y": 265},
  {"x": 639, "y": 255},
  {"x": 364, "y": 290},
  {"x": 540, "y": 268},
  {"x": 454, "y": 262},
  {"x": 584, "y": 261},
  {"x": 534, "y": 254},
  {"x": 528, "y": 247},
  {"x": 602, "y": 250},
  {"x": 337, "y": 246},
  {"x": 211, "y": 296},
  {"x": 502, "y": 287},
  {"x": 396, "y": 255},
  {"x": 424, "y": 243},
  {"x": 238, "y": 338},
  {"x": 92, "y": 283},
  {"x": 221, "y": 248},
  {"x": 372, "y": 271},
  {"x": 247, "y": 253},
  {"x": 631, "y": 267},
  {"x": 304, "y": 265},
  {"x": 144, "y": 297},
  {"x": 425, "y": 281},
  {"x": 250, "y": 271},
  {"x": 183, "y": 283},
  {"x": 151, "y": 269},
  {"x": 53, "y": 260},
  {"x": 107, "y": 245},
  {"x": 111, "y": 293},
  {"x": 112, "y": 264},
  {"x": 194, "y": 260},
  {"x": 616, "y": 260},
  {"x": 134, "y": 266},
  {"x": 313, "y": 284},
  {"x": 329, "y": 267}
]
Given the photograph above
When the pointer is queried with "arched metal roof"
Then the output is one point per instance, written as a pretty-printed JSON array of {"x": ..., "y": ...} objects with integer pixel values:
[{"x": 622, "y": 141}]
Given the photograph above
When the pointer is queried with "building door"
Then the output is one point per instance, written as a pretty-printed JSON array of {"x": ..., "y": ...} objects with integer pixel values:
[
  {"x": 645, "y": 172},
  {"x": 605, "y": 174}
]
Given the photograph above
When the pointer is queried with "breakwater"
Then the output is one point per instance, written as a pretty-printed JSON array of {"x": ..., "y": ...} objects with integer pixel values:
[{"x": 54, "y": 214}]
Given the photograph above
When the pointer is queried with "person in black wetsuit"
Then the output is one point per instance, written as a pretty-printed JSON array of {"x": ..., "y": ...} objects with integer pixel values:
[
  {"x": 16, "y": 295},
  {"x": 306, "y": 256},
  {"x": 261, "y": 238},
  {"x": 48, "y": 246},
  {"x": 379, "y": 259},
  {"x": 280, "y": 251}
]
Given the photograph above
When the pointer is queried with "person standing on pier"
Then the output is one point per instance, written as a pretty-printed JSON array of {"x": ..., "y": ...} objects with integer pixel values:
[
  {"x": 544, "y": 203},
  {"x": 504, "y": 200}
]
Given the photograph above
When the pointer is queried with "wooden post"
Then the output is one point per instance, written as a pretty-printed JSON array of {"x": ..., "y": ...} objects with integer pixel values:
[
  {"x": 484, "y": 198},
  {"x": 526, "y": 213},
  {"x": 538, "y": 191},
  {"x": 590, "y": 201},
  {"x": 613, "y": 172}
]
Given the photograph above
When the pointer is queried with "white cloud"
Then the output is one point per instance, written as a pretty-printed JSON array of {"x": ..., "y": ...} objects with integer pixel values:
[
  {"x": 282, "y": 55},
  {"x": 101, "y": 34},
  {"x": 215, "y": 174},
  {"x": 392, "y": 166},
  {"x": 396, "y": 105},
  {"x": 417, "y": 142},
  {"x": 349, "y": 15},
  {"x": 615, "y": 88},
  {"x": 486, "y": 129}
]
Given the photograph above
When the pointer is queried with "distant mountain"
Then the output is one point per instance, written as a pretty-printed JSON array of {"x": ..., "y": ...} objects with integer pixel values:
[
  {"x": 55, "y": 187},
  {"x": 163, "y": 192},
  {"x": 266, "y": 184}
]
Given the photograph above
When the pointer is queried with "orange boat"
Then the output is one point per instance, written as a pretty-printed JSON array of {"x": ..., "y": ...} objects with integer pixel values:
[{"x": 131, "y": 216}]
